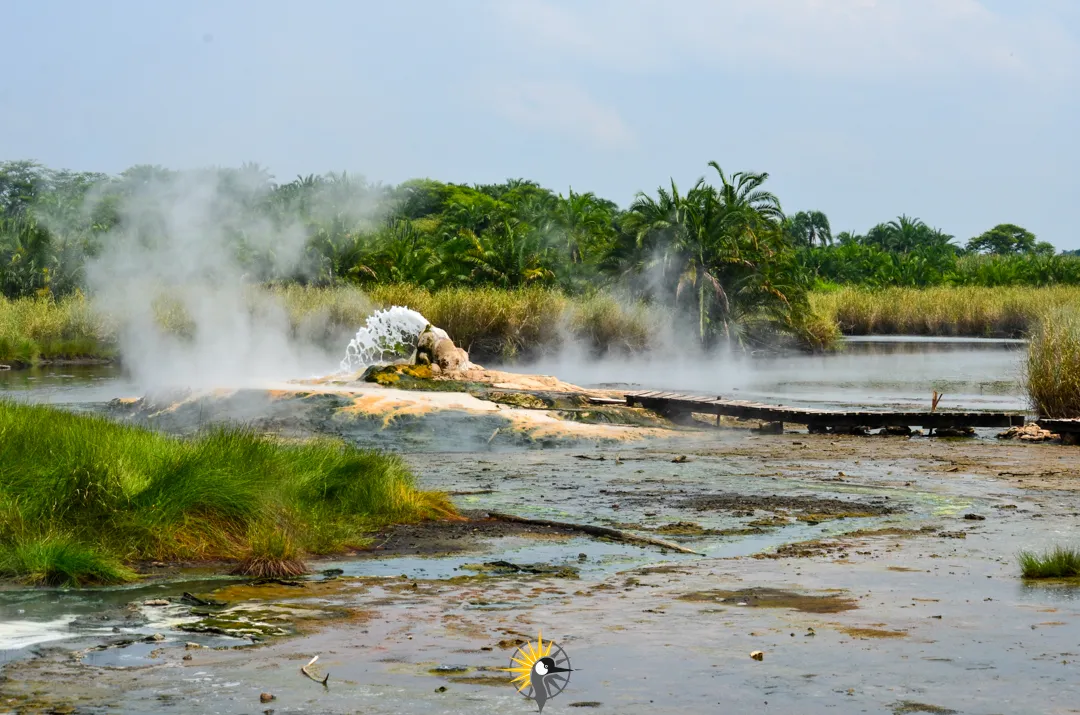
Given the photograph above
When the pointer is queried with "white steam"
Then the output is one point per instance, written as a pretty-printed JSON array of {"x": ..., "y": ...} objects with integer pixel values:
[{"x": 177, "y": 246}]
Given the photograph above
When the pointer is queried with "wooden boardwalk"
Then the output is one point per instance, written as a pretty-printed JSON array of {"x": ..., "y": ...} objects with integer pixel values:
[
  {"x": 1060, "y": 426},
  {"x": 677, "y": 404}
]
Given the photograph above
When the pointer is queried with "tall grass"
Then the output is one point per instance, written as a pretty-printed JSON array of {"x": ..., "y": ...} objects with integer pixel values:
[
  {"x": 491, "y": 323},
  {"x": 81, "y": 496},
  {"x": 1052, "y": 370},
  {"x": 35, "y": 328},
  {"x": 951, "y": 311}
]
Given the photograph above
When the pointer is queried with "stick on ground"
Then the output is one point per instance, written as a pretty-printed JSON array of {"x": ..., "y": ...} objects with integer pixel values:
[
  {"x": 602, "y": 531},
  {"x": 305, "y": 671}
]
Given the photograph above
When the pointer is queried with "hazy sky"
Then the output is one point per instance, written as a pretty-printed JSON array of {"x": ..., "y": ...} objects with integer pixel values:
[{"x": 962, "y": 112}]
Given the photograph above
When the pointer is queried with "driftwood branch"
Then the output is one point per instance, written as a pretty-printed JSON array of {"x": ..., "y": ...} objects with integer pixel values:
[
  {"x": 602, "y": 531},
  {"x": 305, "y": 671}
]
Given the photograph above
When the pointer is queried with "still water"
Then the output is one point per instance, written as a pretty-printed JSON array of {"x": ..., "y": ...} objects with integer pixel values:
[{"x": 872, "y": 372}]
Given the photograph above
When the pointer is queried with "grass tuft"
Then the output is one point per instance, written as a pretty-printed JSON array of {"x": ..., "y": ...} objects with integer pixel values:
[
  {"x": 120, "y": 494},
  {"x": 60, "y": 561},
  {"x": 273, "y": 555},
  {"x": 1058, "y": 562}
]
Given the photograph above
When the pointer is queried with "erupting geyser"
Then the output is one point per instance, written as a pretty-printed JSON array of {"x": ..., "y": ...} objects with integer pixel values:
[{"x": 387, "y": 336}]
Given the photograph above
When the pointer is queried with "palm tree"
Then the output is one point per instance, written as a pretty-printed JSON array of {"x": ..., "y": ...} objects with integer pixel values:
[
  {"x": 717, "y": 243},
  {"x": 807, "y": 228},
  {"x": 583, "y": 220}
]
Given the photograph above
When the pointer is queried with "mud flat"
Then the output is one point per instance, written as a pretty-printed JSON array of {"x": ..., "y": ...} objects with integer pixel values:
[{"x": 874, "y": 574}]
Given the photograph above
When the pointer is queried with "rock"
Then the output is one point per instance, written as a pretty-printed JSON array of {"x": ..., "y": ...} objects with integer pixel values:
[
  {"x": 895, "y": 431},
  {"x": 954, "y": 432},
  {"x": 187, "y": 657},
  {"x": 757, "y": 655},
  {"x": 771, "y": 428},
  {"x": 857, "y": 431},
  {"x": 192, "y": 646},
  {"x": 1028, "y": 433},
  {"x": 449, "y": 357},
  {"x": 156, "y": 638},
  {"x": 974, "y": 517},
  {"x": 156, "y": 602},
  {"x": 266, "y": 697},
  {"x": 436, "y": 370}
]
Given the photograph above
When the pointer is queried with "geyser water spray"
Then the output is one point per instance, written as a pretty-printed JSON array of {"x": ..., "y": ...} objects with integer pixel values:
[{"x": 387, "y": 335}]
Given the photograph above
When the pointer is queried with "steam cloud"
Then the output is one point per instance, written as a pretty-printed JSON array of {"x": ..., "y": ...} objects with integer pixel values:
[{"x": 177, "y": 246}]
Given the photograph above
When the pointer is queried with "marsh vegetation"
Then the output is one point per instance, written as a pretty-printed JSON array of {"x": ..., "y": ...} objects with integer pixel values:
[
  {"x": 514, "y": 268},
  {"x": 85, "y": 500}
]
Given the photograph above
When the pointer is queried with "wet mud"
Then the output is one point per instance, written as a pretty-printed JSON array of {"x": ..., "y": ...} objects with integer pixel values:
[{"x": 851, "y": 564}]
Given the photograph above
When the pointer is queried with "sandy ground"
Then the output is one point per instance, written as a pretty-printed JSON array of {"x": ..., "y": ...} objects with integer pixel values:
[{"x": 906, "y": 605}]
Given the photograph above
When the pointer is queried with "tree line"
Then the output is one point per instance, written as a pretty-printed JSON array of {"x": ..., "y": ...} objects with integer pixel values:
[{"x": 723, "y": 252}]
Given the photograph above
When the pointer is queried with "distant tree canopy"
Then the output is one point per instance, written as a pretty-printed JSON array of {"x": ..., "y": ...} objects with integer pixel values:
[
  {"x": 1008, "y": 239},
  {"x": 723, "y": 253}
]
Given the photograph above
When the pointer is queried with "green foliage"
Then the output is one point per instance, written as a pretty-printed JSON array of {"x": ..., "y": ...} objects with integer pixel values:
[
  {"x": 53, "y": 560},
  {"x": 1058, "y": 562},
  {"x": 722, "y": 256},
  {"x": 1004, "y": 239},
  {"x": 808, "y": 228},
  {"x": 80, "y": 494}
]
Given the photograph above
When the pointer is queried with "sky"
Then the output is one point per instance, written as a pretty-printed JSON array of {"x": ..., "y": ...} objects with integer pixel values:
[{"x": 963, "y": 113}]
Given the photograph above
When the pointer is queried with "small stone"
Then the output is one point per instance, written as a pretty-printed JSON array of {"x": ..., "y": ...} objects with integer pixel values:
[
  {"x": 974, "y": 517},
  {"x": 187, "y": 656},
  {"x": 191, "y": 646},
  {"x": 156, "y": 638},
  {"x": 440, "y": 689},
  {"x": 266, "y": 697},
  {"x": 156, "y": 602},
  {"x": 757, "y": 655}
]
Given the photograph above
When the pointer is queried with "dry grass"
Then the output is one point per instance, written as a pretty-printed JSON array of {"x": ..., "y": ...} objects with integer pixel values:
[
  {"x": 36, "y": 328},
  {"x": 491, "y": 323},
  {"x": 954, "y": 311},
  {"x": 488, "y": 322}
]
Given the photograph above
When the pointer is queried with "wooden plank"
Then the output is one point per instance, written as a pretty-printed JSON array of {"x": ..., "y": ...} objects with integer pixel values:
[{"x": 748, "y": 409}]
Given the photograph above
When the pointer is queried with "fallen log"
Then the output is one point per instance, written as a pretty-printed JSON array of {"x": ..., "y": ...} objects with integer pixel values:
[{"x": 601, "y": 531}]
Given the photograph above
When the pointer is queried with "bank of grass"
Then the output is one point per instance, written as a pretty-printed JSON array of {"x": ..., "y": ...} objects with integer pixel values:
[
  {"x": 1052, "y": 370},
  {"x": 83, "y": 499},
  {"x": 1005, "y": 312},
  {"x": 1058, "y": 562},
  {"x": 33, "y": 329}
]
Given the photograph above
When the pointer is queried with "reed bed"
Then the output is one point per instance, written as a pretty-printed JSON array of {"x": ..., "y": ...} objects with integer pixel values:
[
  {"x": 1052, "y": 370},
  {"x": 491, "y": 323},
  {"x": 32, "y": 329},
  {"x": 1005, "y": 312},
  {"x": 84, "y": 499}
]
